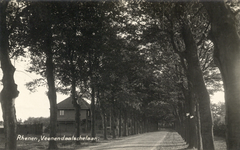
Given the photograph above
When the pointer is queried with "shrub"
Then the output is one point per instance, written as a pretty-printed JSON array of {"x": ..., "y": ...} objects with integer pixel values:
[{"x": 219, "y": 129}]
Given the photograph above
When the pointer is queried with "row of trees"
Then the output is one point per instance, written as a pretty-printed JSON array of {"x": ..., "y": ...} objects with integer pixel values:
[{"x": 139, "y": 61}]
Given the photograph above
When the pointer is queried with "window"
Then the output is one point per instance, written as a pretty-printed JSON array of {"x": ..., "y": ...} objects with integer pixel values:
[{"x": 61, "y": 112}]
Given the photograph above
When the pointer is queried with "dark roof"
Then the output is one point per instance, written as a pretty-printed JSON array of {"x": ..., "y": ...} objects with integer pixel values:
[{"x": 67, "y": 104}]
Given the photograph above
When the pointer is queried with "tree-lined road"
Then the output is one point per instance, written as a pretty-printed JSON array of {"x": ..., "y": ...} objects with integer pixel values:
[{"x": 148, "y": 141}]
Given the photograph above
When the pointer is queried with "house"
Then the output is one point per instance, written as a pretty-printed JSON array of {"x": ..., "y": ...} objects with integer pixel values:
[{"x": 66, "y": 116}]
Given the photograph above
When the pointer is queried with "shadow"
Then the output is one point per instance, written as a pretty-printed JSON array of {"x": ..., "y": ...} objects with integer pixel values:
[
  {"x": 185, "y": 148},
  {"x": 124, "y": 147},
  {"x": 175, "y": 147}
]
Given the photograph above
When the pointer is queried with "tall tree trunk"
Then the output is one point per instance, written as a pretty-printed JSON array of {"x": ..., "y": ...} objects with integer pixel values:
[
  {"x": 113, "y": 123},
  {"x": 9, "y": 91},
  {"x": 199, "y": 137},
  {"x": 199, "y": 88},
  {"x": 104, "y": 124},
  {"x": 52, "y": 99},
  {"x": 104, "y": 117},
  {"x": 120, "y": 123},
  {"x": 51, "y": 87},
  {"x": 137, "y": 127},
  {"x": 113, "y": 126},
  {"x": 132, "y": 123},
  {"x": 77, "y": 109},
  {"x": 75, "y": 102},
  {"x": 191, "y": 118},
  {"x": 224, "y": 35},
  {"x": 187, "y": 122},
  {"x": 192, "y": 124},
  {"x": 117, "y": 123},
  {"x": 145, "y": 124},
  {"x": 125, "y": 124},
  {"x": 93, "y": 127}
]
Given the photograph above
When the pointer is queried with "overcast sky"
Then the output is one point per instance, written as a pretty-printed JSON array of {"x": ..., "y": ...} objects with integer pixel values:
[
  {"x": 30, "y": 104},
  {"x": 37, "y": 104}
]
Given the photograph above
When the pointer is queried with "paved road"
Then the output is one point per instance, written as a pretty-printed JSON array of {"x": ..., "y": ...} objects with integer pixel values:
[{"x": 147, "y": 141}]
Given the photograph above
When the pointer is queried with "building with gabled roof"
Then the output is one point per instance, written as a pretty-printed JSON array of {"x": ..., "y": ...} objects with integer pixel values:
[{"x": 66, "y": 115}]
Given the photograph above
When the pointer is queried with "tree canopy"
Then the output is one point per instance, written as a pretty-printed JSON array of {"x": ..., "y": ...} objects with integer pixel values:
[{"x": 138, "y": 62}]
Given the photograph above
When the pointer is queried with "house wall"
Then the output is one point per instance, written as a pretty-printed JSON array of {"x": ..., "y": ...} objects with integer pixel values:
[
  {"x": 70, "y": 115},
  {"x": 67, "y": 128},
  {"x": 83, "y": 114},
  {"x": 66, "y": 122}
]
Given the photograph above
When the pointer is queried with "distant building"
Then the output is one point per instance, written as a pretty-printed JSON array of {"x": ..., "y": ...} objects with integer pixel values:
[{"x": 66, "y": 116}]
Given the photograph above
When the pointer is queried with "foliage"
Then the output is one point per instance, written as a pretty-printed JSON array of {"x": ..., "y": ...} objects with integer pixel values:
[
  {"x": 218, "y": 111},
  {"x": 125, "y": 50},
  {"x": 220, "y": 129},
  {"x": 37, "y": 120}
]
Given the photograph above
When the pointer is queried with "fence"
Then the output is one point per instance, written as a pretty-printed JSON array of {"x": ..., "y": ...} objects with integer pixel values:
[{"x": 25, "y": 129}]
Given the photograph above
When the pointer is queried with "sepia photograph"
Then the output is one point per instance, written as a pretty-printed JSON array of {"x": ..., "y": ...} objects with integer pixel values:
[{"x": 120, "y": 75}]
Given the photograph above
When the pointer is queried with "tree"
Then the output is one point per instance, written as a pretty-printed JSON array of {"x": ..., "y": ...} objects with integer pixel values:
[
  {"x": 174, "y": 23},
  {"x": 218, "y": 111},
  {"x": 224, "y": 34},
  {"x": 69, "y": 60},
  {"x": 9, "y": 92},
  {"x": 33, "y": 120},
  {"x": 40, "y": 19},
  {"x": 219, "y": 119},
  {"x": 199, "y": 89}
]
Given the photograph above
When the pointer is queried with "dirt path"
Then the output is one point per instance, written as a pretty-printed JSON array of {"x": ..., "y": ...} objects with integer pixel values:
[
  {"x": 172, "y": 141},
  {"x": 149, "y": 141}
]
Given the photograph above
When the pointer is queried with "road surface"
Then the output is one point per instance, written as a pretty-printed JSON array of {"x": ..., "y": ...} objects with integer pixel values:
[{"x": 147, "y": 141}]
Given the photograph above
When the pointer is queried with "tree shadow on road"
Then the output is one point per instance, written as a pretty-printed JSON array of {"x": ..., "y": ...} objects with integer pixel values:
[{"x": 173, "y": 141}]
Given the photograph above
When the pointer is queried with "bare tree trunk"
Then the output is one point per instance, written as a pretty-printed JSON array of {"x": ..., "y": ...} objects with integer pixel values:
[
  {"x": 76, "y": 104},
  {"x": 104, "y": 118},
  {"x": 125, "y": 124},
  {"x": 192, "y": 124},
  {"x": 133, "y": 123},
  {"x": 198, "y": 85},
  {"x": 192, "y": 118},
  {"x": 224, "y": 34},
  {"x": 52, "y": 99},
  {"x": 93, "y": 127},
  {"x": 187, "y": 122},
  {"x": 104, "y": 124},
  {"x": 51, "y": 87},
  {"x": 77, "y": 110},
  {"x": 199, "y": 137},
  {"x": 120, "y": 124},
  {"x": 9, "y": 91},
  {"x": 117, "y": 123},
  {"x": 113, "y": 122},
  {"x": 113, "y": 126}
]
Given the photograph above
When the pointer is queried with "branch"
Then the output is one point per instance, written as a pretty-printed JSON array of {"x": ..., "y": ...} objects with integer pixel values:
[
  {"x": 181, "y": 54},
  {"x": 203, "y": 35},
  {"x": 31, "y": 86}
]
